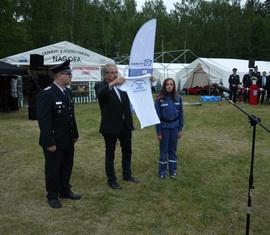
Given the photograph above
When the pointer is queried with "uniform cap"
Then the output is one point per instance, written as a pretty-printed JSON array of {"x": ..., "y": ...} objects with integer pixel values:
[
  {"x": 63, "y": 67},
  {"x": 234, "y": 69}
]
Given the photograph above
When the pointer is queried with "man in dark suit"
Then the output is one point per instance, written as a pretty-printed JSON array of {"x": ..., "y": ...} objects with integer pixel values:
[
  {"x": 268, "y": 87},
  {"x": 58, "y": 134},
  {"x": 234, "y": 82},
  {"x": 116, "y": 123},
  {"x": 262, "y": 83}
]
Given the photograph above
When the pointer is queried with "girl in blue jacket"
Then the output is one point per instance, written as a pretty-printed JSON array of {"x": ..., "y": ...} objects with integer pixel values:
[{"x": 170, "y": 112}]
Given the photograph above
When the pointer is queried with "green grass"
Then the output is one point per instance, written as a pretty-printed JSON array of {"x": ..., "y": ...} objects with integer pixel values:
[{"x": 209, "y": 195}]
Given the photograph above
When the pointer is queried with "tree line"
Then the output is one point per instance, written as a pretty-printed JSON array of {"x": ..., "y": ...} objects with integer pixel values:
[{"x": 213, "y": 29}]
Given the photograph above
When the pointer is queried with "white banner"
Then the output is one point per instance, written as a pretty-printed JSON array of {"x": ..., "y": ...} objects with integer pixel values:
[
  {"x": 86, "y": 73},
  {"x": 142, "y": 51}
]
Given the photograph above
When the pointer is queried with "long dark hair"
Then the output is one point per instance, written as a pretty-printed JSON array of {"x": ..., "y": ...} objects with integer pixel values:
[{"x": 163, "y": 92}]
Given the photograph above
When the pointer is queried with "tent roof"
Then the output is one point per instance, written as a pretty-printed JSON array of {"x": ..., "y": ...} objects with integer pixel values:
[
  {"x": 58, "y": 52},
  {"x": 8, "y": 69}
]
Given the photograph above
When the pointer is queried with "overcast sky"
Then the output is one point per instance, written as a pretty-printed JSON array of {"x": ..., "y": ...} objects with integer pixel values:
[{"x": 167, "y": 3}]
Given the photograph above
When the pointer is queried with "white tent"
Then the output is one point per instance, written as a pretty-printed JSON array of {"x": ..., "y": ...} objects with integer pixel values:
[
  {"x": 204, "y": 71},
  {"x": 161, "y": 71},
  {"x": 86, "y": 64}
]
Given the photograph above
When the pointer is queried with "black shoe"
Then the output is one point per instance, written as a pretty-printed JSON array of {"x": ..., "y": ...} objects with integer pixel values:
[
  {"x": 116, "y": 186},
  {"x": 71, "y": 195},
  {"x": 54, "y": 203},
  {"x": 132, "y": 179}
]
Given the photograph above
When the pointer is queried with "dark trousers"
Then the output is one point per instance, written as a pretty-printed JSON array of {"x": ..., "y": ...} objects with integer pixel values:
[
  {"x": 267, "y": 94},
  {"x": 246, "y": 96},
  {"x": 124, "y": 137},
  {"x": 261, "y": 95},
  {"x": 58, "y": 168},
  {"x": 233, "y": 94}
]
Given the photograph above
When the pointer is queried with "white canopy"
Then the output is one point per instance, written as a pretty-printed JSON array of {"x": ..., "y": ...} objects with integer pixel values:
[
  {"x": 160, "y": 70},
  {"x": 86, "y": 64},
  {"x": 204, "y": 71}
]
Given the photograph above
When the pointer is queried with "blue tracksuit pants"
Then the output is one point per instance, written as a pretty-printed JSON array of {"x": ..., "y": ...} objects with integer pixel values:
[{"x": 167, "y": 147}]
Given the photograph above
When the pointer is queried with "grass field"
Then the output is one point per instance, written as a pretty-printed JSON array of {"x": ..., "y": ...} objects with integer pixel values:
[{"x": 209, "y": 195}]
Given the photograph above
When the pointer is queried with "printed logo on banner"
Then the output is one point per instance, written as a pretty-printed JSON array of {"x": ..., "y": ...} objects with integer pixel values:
[
  {"x": 147, "y": 62},
  {"x": 139, "y": 86},
  {"x": 22, "y": 59}
]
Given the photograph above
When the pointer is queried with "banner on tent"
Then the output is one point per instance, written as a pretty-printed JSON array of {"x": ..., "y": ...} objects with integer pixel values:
[{"x": 86, "y": 73}]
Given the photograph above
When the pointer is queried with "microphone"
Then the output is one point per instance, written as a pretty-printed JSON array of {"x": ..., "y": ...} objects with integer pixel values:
[{"x": 221, "y": 88}]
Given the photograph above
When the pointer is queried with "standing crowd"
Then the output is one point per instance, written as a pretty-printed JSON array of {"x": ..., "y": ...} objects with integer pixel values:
[
  {"x": 252, "y": 77},
  {"x": 59, "y": 133}
]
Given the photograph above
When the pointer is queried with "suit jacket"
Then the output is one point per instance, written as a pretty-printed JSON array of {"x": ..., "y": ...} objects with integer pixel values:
[
  {"x": 268, "y": 82},
  {"x": 247, "y": 82},
  {"x": 55, "y": 114},
  {"x": 113, "y": 111}
]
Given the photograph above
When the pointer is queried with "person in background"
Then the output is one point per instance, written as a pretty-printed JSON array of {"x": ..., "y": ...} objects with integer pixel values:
[
  {"x": 261, "y": 82},
  {"x": 170, "y": 112},
  {"x": 256, "y": 73},
  {"x": 268, "y": 87},
  {"x": 247, "y": 82},
  {"x": 58, "y": 134},
  {"x": 116, "y": 124},
  {"x": 5, "y": 93},
  {"x": 234, "y": 82}
]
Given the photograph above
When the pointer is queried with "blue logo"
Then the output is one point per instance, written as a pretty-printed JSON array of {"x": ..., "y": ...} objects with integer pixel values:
[
  {"x": 147, "y": 62},
  {"x": 22, "y": 59},
  {"x": 139, "y": 86}
]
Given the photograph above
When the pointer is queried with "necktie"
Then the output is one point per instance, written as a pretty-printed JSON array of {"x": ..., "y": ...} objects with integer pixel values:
[{"x": 66, "y": 94}]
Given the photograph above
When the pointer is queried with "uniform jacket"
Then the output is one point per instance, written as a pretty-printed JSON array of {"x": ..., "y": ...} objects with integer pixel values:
[
  {"x": 113, "y": 111},
  {"x": 55, "y": 114},
  {"x": 234, "y": 81},
  {"x": 247, "y": 82},
  {"x": 256, "y": 74},
  {"x": 169, "y": 110}
]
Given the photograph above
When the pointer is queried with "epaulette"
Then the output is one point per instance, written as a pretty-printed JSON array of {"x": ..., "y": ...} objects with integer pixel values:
[{"x": 47, "y": 88}]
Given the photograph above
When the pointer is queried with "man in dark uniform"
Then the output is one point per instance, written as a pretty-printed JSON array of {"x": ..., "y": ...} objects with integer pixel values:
[
  {"x": 58, "y": 134},
  {"x": 256, "y": 73},
  {"x": 247, "y": 82},
  {"x": 234, "y": 82},
  {"x": 116, "y": 123}
]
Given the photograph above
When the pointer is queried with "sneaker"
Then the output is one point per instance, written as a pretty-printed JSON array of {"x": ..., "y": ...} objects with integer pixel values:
[
  {"x": 173, "y": 176},
  {"x": 162, "y": 177}
]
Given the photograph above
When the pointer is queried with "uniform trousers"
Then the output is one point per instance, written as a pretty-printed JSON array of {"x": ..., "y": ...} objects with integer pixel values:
[
  {"x": 124, "y": 137},
  {"x": 246, "y": 95},
  {"x": 233, "y": 94},
  {"x": 58, "y": 168},
  {"x": 167, "y": 147}
]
